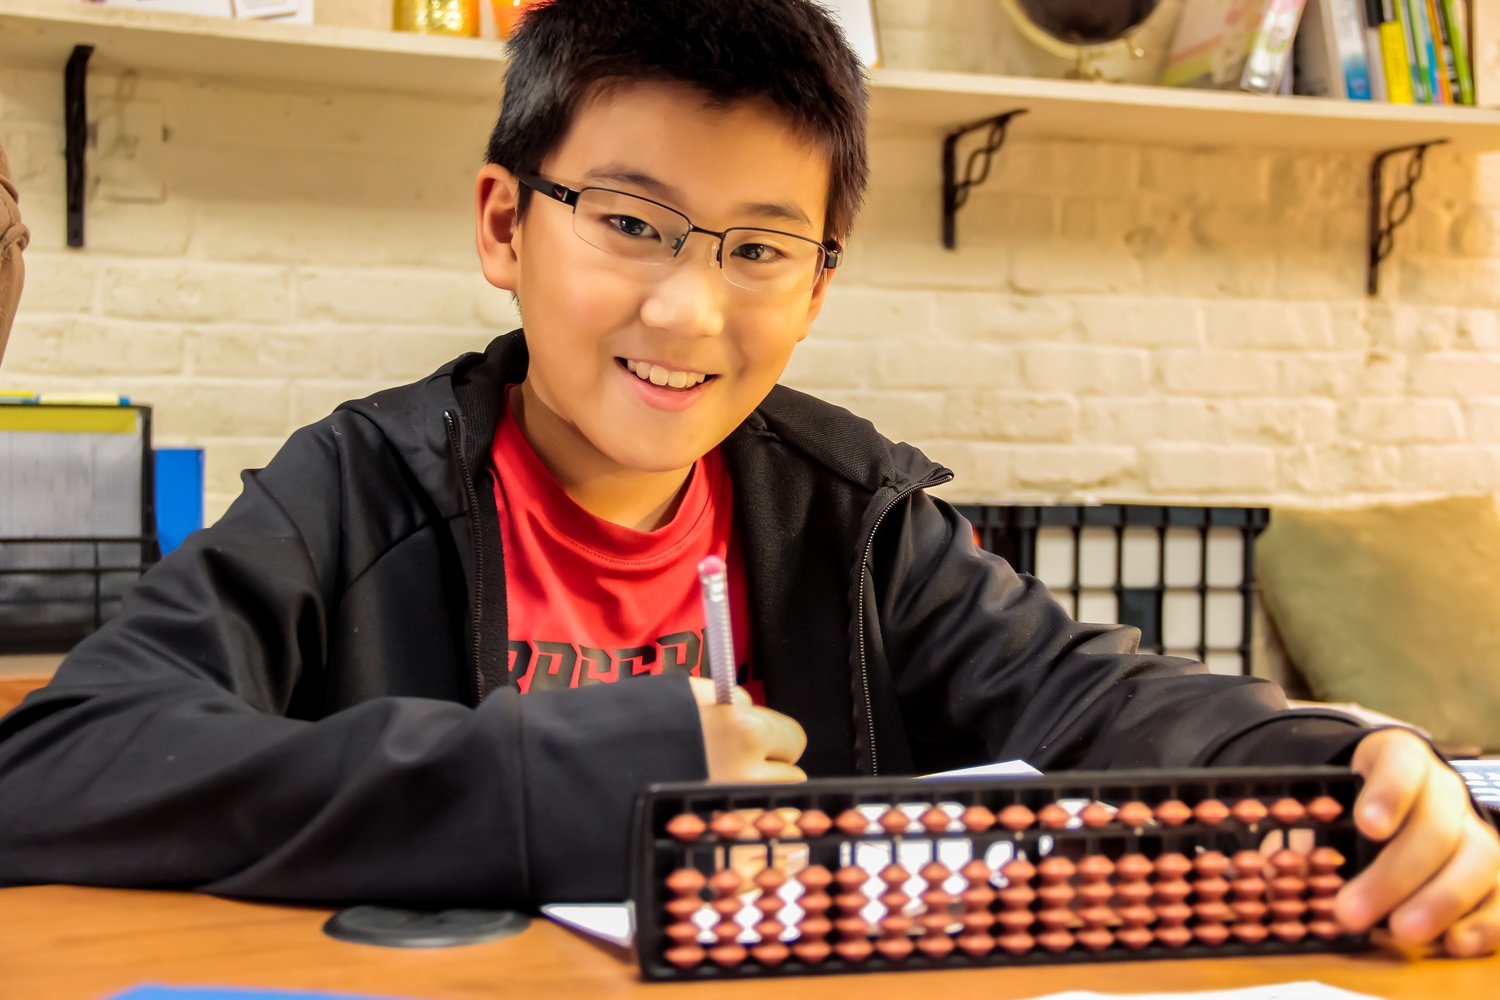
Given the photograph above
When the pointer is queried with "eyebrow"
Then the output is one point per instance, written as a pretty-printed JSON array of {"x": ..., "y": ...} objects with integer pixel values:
[{"x": 783, "y": 211}]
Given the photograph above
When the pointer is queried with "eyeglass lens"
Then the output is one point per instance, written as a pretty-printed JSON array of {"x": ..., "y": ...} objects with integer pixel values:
[{"x": 640, "y": 230}]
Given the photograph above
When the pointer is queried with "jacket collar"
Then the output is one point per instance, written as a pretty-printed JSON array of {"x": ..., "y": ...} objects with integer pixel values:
[{"x": 471, "y": 386}]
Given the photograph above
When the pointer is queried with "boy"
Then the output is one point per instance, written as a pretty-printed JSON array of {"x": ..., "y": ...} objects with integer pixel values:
[{"x": 441, "y": 640}]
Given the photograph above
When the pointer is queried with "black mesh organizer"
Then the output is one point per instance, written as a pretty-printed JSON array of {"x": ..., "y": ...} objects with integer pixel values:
[
  {"x": 1184, "y": 576},
  {"x": 881, "y": 875},
  {"x": 55, "y": 591},
  {"x": 79, "y": 523}
]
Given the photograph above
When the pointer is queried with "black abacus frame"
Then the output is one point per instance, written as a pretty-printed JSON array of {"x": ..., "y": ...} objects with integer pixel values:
[{"x": 655, "y": 853}]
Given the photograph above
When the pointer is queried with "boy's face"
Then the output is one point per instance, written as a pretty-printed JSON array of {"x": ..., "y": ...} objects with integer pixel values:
[{"x": 591, "y": 317}]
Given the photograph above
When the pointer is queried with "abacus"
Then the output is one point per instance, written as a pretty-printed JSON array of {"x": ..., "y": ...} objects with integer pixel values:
[{"x": 881, "y": 875}]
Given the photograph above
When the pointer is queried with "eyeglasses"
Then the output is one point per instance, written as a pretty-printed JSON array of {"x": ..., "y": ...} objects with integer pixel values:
[{"x": 648, "y": 232}]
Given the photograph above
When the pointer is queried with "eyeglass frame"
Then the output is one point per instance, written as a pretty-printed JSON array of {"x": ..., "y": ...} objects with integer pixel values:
[{"x": 833, "y": 251}]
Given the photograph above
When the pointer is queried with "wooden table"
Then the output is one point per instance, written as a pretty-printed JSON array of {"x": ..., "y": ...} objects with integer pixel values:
[
  {"x": 62, "y": 943},
  {"x": 20, "y": 675}
]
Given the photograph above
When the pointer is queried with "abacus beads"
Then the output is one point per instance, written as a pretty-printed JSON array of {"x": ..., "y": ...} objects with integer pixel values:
[{"x": 1078, "y": 876}]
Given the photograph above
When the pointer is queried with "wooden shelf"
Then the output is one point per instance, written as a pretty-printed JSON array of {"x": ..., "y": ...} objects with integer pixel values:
[
  {"x": 41, "y": 33},
  {"x": 1071, "y": 109}
]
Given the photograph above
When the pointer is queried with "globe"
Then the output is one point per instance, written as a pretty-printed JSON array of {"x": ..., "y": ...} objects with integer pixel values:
[{"x": 1087, "y": 22}]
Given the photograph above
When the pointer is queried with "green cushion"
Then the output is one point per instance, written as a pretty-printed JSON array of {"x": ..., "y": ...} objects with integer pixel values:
[{"x": 1395, "y": 607}]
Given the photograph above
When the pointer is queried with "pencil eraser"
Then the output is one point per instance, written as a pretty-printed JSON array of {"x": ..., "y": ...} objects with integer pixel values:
[{"x": 711, "y": 566}]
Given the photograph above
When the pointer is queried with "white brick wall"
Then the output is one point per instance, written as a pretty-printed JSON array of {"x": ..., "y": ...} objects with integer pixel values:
[{"x": 1118, "y": 322}]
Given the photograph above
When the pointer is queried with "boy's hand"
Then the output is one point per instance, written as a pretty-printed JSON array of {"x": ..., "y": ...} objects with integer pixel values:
[
  {"x": 745, "y": 742},
  {"x": 1438, "y": 875}
]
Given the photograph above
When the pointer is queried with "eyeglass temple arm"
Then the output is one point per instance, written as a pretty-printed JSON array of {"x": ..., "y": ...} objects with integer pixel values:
[{"x": 557, "y": 192}]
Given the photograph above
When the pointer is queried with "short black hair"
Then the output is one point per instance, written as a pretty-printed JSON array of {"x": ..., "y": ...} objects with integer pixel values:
[{"x": 791, "y": 53}]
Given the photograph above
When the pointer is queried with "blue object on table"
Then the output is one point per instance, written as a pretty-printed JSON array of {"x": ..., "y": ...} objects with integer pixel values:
[{"x": 179, "y": 495}]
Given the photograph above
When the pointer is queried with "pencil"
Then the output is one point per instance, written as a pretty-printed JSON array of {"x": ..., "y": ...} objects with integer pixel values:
[{"x": 717, "y": 632}]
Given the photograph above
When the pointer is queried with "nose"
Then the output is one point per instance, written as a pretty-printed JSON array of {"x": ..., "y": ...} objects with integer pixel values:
[{"x": 688, "y": 297}]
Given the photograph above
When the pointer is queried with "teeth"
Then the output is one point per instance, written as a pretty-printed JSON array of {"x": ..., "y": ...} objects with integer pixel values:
[{"x": 657, "y": 375}]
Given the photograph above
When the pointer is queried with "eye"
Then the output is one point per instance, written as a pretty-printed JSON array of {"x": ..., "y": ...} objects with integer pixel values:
[
  {"x": 629, "y": 225},
  {"x": 758, "y": 252}
]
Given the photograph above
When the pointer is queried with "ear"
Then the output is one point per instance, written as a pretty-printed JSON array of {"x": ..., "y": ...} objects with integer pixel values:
[
  {"x": 496, "y": 194},
  {"x": 815, "y": 305}
]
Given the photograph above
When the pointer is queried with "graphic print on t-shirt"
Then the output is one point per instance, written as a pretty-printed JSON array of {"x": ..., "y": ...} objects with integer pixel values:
[
  {"x": 573, "y": 665},
  {"x": 591, "y": 602}
]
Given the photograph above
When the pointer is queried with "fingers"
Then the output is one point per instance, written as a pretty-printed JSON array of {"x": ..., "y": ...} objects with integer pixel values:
[
  {"x": 1479, "y": 932},
  {"x": 1463, "y": 885},
  {"x": 1427, "y": 840},
  {"x": 784, "y": 740},
  {"x": 1395, "y": 764},
  {"x": 776, "y": 771},
  {"x": 750, "y": 743}
]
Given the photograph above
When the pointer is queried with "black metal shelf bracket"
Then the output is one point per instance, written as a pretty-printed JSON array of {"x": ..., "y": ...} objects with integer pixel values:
[
  {"x": 76, "y": 128},
  {"x": 1388, "y": 216},
  {"x": 976, "y": 168}
]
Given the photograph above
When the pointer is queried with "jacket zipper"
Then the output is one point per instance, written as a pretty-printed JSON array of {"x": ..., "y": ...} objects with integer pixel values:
[
  {"x": 473, "y": 495},
  {"x": 864, "y": 567}
]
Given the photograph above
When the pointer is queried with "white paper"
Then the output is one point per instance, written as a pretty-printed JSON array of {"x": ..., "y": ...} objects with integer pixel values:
[
  {"x": 610, "y": 921},
  {"x": 999, "y": 769},
  {"x": 1282, "y": 991}
]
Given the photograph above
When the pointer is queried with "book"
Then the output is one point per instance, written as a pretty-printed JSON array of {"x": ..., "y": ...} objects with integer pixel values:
[
  {"x": 1331, "y": 60},
  {"x": 1442, "y": 58},
  {"x": 1212, "y": 42},
  {"x": 286, "y": 11},
  {"x": 1457, "y": 34},
  {"x": 1393, "y": 54},
  {"x": 1416, "y": 50},
  {"x": 1483, "y": 23},
  {"x": 1270, "y": 57},
  {"x": 1427, "y": 53},
  {"x": 1374, "y": 57},
  {"x": 857, "y": 18}
]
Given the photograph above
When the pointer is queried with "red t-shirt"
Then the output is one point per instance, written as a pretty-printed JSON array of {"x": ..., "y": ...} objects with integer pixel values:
[{"x": 591, "y": 602}]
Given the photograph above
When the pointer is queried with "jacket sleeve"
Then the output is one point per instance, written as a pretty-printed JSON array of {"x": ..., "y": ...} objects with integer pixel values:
[
  {"x": 987, "y": 661},
  {"x": 161, "y": 755}
]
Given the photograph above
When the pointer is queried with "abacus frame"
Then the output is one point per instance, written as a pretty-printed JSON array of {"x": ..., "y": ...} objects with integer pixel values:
[{"x": 655, "y": 853}]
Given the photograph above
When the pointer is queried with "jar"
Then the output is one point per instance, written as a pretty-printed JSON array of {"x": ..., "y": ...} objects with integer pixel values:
[{"x": 437, "y": 17}]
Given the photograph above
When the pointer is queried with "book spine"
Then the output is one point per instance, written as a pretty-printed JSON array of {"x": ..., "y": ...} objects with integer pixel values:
[
  {"x": 1393, "y": 53},
  {"x": 1458, "y": 37},
  {"x": 1416, "y": 52},
  {"x": 1315, "y": 57},
  {"x": 1482, "y": 25},
  {"x": 1265, "y": 70},
  {"x": 1426, "y": 51},
  {"x": 1374, "y": 58},
  {"x": 1349, "y": 38},
  {"x": 1442, "y": 60}
]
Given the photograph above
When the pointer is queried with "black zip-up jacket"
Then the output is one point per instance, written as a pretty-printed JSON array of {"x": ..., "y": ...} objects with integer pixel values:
[{"x": 308, "y": 700}]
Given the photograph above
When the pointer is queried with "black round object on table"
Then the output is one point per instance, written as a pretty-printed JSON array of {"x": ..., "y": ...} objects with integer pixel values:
[{"x": 390, "y": 927}]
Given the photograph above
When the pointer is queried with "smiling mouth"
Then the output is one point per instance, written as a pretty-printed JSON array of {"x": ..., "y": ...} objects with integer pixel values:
[{"x": 664, "y": 378}]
